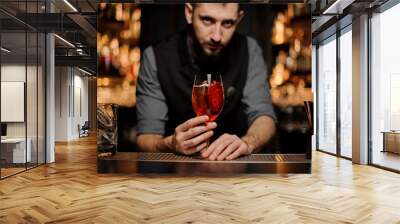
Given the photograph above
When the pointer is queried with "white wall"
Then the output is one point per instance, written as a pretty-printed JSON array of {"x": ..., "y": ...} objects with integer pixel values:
[
  {"x": 61, "y": 103},
  {"x": 80, "y": 110},
  {"x": 71, "y": 93},
  {"x": 17, "y": 73}
]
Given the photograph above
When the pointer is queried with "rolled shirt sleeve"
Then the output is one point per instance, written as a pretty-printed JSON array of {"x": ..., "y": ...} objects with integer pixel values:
[
  {"x": 151, "y": 107},
  {"x": 256, "y": 93}
]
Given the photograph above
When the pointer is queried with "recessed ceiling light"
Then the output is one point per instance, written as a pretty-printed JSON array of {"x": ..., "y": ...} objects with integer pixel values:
[
  {"x": 84, "y": 71},
  {"x": 5, "y": 49},
  {"x": 70, "y": 5},
  {"x": 337, "y": 7},
  {"x": 64, "y": 40}
]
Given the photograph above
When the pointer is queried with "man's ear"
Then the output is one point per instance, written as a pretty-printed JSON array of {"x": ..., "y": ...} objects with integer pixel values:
[
  {"x": 241, "y": 14},
  {"x": 189, "y": 13}
]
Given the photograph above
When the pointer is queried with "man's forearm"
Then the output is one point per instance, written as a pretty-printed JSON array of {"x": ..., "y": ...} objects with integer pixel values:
[
  {"x": 259, "y": 133},
  {"x": 155, "y": 143}
]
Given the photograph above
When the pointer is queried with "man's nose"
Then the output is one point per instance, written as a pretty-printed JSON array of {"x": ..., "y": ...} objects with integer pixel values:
[{"x": 217, "y": 34}]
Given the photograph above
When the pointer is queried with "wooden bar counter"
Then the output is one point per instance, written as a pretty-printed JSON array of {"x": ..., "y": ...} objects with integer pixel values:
[{"x": 169, "y": 163}]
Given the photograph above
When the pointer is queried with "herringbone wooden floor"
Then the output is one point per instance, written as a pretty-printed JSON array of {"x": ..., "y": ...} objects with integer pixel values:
[{"x": 70, "y": 191}]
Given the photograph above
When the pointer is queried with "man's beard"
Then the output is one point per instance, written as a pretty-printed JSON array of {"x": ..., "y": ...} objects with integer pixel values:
[{"x": 207, "y": 62}]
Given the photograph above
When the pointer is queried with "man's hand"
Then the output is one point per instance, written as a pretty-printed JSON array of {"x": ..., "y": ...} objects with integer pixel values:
[
  {"x": 191, "y": 136},
  {"x": 226, "y": 147}
]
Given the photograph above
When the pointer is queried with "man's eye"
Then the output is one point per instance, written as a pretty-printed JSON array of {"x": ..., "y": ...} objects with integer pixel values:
[
  {"x": 228, "y": 24},
  {"x": 207, "y": 20}
]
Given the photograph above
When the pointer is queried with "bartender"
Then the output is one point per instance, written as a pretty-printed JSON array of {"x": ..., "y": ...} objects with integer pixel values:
[{"x": 209, "y": 44}]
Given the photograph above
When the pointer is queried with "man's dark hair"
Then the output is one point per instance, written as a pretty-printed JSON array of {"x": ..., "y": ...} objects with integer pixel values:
[{"x": 194, "y": 5}]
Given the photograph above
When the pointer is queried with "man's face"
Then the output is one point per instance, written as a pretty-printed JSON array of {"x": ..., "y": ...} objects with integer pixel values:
[{"x": 214, "y": 24}]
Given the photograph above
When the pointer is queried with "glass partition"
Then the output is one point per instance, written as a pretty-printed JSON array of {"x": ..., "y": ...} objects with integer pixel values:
[
  {"x": 14, "y": 153},
  {"x": 346, "y": 93},
  {"x": 22, "y": 89},
  {"x": 327, "y": 96},
  {"x": 385, "y": 89}
]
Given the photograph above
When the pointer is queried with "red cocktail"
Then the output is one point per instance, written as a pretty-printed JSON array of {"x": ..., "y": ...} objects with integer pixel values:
[{"x": 208, "y": 96}]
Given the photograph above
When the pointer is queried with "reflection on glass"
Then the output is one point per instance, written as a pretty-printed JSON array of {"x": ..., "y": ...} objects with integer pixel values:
[
  {"x": 385, "y": 84},
  {"x": 346, "y": 94},
  {"x": 327, "y": 97}
]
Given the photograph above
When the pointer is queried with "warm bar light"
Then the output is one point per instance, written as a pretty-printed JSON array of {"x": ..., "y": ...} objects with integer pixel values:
[
  {"x": 70, "y": 5},
  {"x": 65, "y": 41}
]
